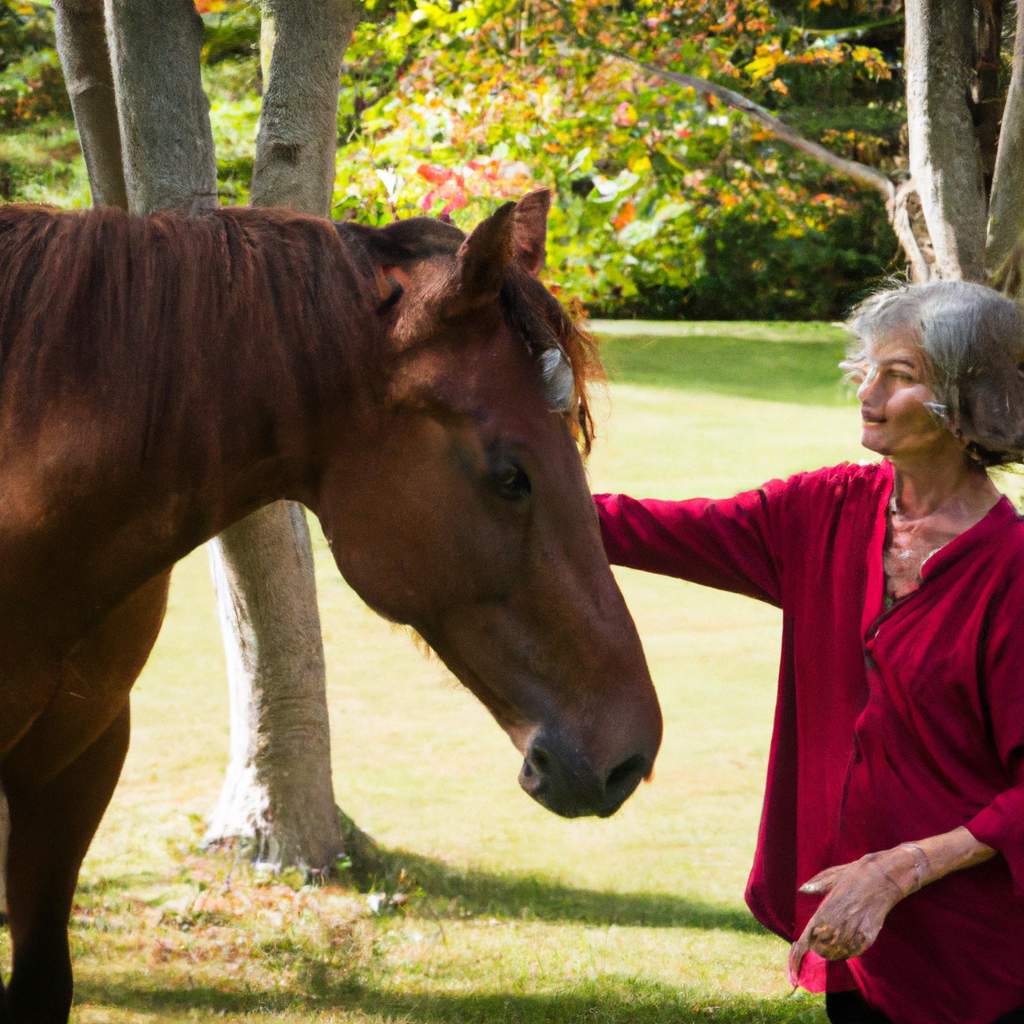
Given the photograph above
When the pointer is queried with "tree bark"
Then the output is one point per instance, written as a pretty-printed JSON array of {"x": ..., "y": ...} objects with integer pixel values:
[
  {"x": 1004, "y": 252},
  {"x": 302, "y": 45},
  {"x": 278, "y": 792},
  {"x": 944, "y": 156},
  {"x": 84, "y": 56},
  {"x": 164, "y": 115}
]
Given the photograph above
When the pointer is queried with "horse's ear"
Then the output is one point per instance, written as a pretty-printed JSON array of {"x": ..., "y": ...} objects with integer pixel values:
[
  {"x": 483, "y": 259},
  {"x": 531, "y": 230}
]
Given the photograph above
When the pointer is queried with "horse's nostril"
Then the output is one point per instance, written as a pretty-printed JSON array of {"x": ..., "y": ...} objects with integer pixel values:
[
  {"x": 539, "y": 760},
  {"x": 624, "y": 778}
]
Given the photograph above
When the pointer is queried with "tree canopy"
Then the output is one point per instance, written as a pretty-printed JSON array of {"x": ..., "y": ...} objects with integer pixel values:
[{"x": 668, "y": 203}]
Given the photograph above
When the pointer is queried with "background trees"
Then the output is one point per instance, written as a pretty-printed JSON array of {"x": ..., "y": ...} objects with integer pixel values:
[
  {"x": 457, "y": 106},
  {"x": 454, "y": 106}
]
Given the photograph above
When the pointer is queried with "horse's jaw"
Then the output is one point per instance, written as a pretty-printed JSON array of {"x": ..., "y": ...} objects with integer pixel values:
[{"x": 580, "y": 758}]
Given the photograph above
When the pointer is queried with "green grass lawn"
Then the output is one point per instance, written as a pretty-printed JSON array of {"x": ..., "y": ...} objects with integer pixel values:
[{"x": 521, "y": 917}]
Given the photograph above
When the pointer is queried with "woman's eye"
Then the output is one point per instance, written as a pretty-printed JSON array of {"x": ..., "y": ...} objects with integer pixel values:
[{"x": 512, "y": 483}]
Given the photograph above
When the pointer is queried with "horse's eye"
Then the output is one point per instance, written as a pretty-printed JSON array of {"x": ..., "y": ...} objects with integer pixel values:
[{"x": 512, "y": 482}]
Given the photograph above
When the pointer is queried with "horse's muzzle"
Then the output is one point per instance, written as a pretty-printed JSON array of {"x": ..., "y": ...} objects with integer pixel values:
[{"x": 564, "y": 782}]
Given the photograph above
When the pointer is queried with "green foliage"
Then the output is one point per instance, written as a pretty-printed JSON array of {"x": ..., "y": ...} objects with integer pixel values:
[
  {"x": 24, "y": 27},
  {"x": 666, "y": 202},
  {"x": 43, "y": 165},
  {"x": 231, "y": 31},
  {"x": 31, "y": 83},
  {"x": 754, "y": 266}
]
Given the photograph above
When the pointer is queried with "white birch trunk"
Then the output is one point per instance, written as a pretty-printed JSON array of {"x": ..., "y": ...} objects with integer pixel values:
[
  {"x": 278, "y": 793},
  {"x": 164, "y": 116},
  {"x": 82, "y": 46},
  {"x": 1003, "y": 253},
  {"x": 944, "y": 158}
]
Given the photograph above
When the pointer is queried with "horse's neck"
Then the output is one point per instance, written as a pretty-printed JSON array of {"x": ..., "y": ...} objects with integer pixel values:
[{"x": 100, "y": 489}]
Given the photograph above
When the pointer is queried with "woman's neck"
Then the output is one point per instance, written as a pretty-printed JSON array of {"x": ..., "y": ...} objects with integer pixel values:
[{"x": 953, "y": 486}]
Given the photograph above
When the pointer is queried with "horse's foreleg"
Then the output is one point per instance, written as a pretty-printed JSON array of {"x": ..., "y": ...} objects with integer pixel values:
[
  {"x": 51, "y": 827},
  {"x": 59, "y": 779}
]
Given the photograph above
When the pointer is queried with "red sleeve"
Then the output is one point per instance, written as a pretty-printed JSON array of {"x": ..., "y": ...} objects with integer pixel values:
[
  {"x": 1001, "y": 824},
  {"x": 725, "y": 544}
]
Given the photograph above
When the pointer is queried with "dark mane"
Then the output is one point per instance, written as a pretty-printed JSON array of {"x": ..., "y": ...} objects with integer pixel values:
[
  {"x": 405, "y": 242},
  {"x": 153, "y": 309}
]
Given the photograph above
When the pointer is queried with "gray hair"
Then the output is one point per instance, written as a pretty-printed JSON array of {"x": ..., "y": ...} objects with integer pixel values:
[{"x": 972, "y": 339}]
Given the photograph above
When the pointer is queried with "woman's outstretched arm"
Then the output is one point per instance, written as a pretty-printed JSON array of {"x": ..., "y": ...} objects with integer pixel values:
[{"x": 726, "y": 543}]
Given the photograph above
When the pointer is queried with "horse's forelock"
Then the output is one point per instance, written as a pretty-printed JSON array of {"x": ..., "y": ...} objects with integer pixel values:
[
  {"x": 558, "y": 380},
  {"x": 567, "y": 356}
]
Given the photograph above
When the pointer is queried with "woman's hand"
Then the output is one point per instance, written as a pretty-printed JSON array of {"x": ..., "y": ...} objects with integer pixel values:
[
  {"x": 859, "y": 897},
  {"x": 862, "y": 893}
]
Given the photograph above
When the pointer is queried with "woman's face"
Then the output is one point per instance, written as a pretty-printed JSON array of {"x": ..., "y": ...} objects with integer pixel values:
[{"x": 895, "y": 421}]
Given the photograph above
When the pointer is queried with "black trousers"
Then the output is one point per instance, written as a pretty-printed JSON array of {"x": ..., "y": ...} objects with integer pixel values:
[{"x": 852, "y": 1008}]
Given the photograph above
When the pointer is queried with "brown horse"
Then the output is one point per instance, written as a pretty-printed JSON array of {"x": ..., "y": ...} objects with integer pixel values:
[{"x": 418, "y": 390}]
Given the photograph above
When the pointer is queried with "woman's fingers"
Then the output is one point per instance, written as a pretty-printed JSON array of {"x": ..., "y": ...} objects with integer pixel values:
[
  {"x": 839, "y": 943},
  {"x": 824, "y": 881},
  {"x": 798, "y": 951}
]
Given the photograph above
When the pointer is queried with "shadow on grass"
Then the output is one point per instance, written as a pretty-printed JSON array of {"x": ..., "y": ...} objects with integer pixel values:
[
  {"x": 450, "y": 891},
  {"x": 803, "y": 372},
  {"x": 610, "y": 1000}
]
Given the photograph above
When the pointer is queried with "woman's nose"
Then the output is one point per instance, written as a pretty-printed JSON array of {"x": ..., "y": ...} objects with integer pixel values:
[{"x": 867, "y": 386}]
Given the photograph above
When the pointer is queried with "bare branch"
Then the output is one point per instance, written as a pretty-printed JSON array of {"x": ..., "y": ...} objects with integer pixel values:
[
  {"x": 899, "y": 217},
  {"x": 850, "y": 168},
  {"x": 782, "y": 131}
]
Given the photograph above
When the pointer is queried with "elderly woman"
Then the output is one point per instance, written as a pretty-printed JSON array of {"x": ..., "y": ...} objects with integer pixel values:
[{"x": 891, "y": 845}]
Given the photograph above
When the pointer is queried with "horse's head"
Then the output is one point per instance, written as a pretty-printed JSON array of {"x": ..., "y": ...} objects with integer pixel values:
[{"x": 464, "y": 510}]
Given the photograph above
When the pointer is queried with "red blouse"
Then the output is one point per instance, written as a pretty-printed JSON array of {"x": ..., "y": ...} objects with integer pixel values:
[{"x": 890, "y": 726}]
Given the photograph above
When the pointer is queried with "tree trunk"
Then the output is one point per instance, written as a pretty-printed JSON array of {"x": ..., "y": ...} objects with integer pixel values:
[
  {"x": 82, "y": 47},
  {"x": 278, "y": 791},
  {"x": 166, "y": 141},
  {"x": 944, "y": 157},
  {"x": 1004, "y": 253},
  {"x": 266, "y": 594}
]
